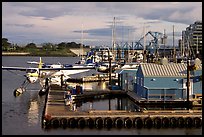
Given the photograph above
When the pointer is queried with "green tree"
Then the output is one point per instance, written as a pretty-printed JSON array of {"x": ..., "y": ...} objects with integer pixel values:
[
  {"x": 48, "y": 46},
  {"x": 5, "y": 44},
  {"x": 62, "y": 45},
  {"x": 31, "y": 46}
]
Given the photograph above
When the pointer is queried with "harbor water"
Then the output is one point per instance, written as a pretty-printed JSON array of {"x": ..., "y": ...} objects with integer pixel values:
[{"x": 22, "y": 115}]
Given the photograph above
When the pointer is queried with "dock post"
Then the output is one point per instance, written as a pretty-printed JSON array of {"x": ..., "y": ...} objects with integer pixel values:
[
  {"x": 110, "y": 69},
  {"x": 109, "y": 103},
  {"x": 126, "y": 82},
  {"x": 46, "y": 82},
  {"x": 188, "y": 82},
  {"x": 62, "y": 81}
]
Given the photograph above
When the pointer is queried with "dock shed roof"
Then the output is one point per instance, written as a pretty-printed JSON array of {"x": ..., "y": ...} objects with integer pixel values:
[{"x": 168, "y": 70}]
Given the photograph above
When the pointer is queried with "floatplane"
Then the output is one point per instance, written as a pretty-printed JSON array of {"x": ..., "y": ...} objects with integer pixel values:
[{"x": 45, "y": 72}]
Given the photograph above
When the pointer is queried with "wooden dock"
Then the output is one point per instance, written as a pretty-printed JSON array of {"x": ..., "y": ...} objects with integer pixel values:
[
  {"x": 57, "y": 114},
  {"x": 145, "y": 103}
]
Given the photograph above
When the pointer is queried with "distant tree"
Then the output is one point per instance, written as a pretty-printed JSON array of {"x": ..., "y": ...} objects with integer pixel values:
[
  {"x": 31, "y": 46},
  {"x": 5, "y": 44},
  {"x": 74, "y": 45},
  {"x": 61, "y": 45},
  {"x": 48, "y": 46}
]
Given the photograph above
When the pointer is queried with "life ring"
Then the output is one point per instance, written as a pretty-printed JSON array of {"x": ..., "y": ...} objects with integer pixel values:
[
  {"x": 165, "y": 122},
  {"x": 99, "y": 122},
  {"x": 197, "y": 122},
  {"x": 118, "y": 122},
  {"x": 189, "y": 122},
  {"x": 81, "y": 122},
  {"x": 138, "y": 123},
  {"x": 108, "y": 122},
  {"x": 55, "y": 122},
  {"x": 128, "y": 122},
  {"x": 173, "y": 122},
  {"x": 47, "y": 117},
  {"x": 157, "y": 122},
  {"x": 90, "y": 123},
  {"x": 63, "y": 122},
  {"x": 148, "y": 123},
  {"x": 46, "y": 124},
  {"x": 181, "y": 122},
  {"x": 72, "y": 122}
]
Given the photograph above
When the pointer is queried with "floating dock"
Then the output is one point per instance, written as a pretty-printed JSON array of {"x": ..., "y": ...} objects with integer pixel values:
[
  {"x": 56, "y": 114},
  {"x": 145, "y": 103}
]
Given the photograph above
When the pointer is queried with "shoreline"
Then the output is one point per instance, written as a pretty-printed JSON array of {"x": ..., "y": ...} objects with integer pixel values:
[
  {"x": 28, "y": 54},
  {"x": 14, "y": 53}
]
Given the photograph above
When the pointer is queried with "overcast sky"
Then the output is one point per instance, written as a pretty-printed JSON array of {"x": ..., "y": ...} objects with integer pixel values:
[{"x": 55, "y": 22}]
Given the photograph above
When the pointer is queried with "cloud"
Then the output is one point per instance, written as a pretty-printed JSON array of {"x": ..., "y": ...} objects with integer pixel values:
[
  {"x": 123, "y": 30},
  {"x": 62, "y": 21},
  {"x": 21, "y": 25}
]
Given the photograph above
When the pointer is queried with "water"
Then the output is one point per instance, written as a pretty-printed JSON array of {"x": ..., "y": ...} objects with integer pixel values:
[{"x": 22, "y": 115}]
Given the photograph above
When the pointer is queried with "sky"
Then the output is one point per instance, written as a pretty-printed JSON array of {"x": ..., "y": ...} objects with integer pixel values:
[{"x": 92, "y": 23}]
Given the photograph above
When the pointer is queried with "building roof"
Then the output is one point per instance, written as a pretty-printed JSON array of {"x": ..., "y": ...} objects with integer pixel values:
[
  {"x": 170, "y": 70},
  {"x": 127, "y": 71}
]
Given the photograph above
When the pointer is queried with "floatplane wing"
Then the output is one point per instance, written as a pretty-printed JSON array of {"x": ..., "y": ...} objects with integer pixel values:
[
  {"x": 48, "y": 69},
  {"x": 16, "y": 68}
]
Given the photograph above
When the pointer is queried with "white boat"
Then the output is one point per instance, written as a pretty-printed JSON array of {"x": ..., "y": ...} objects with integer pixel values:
[
  {"x": 131, "y": 66},
  {"x": 104, "y": 67},
  {"x": 56, "y": 78}
]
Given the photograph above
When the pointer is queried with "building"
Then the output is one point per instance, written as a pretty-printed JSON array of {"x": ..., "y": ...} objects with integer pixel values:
[
  {"x": 127, "y": 78},
  {"x": 167, "y": 81},
  {"x": 192, "y": 40}
]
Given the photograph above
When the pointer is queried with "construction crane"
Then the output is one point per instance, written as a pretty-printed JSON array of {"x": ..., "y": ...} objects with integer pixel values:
[{"x": 153, "y": 44}]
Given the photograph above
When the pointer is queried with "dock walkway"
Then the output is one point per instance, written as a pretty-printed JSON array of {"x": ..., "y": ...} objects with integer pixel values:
[{"x": 57, "y": 114}]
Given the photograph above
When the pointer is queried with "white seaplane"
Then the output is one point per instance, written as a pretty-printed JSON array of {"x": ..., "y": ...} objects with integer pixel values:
[{"x": 43, "y": 73}]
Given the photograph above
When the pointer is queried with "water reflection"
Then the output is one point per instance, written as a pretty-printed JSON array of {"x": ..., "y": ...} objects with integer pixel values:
[
  {"x": 104, "y": 103},
  {"x": 33, "y": 113}
]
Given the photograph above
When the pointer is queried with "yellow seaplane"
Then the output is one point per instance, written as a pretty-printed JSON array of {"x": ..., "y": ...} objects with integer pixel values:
[{"x": 43, "y": 73}]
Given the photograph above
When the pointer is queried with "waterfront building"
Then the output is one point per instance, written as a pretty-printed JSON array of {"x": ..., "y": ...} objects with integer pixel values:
[
  {"x": 192, "y": 40},
  {"x": 167, "y": 81},
  {"x": 127, "y": 78}
]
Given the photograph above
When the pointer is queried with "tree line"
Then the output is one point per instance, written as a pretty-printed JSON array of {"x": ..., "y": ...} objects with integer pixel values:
[
  {"x": 7, "y": 46},
  {"x": 48, "y": 48}
]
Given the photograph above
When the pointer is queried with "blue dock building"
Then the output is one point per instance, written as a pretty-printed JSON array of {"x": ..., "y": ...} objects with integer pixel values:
[
  {"x": 164, "y": 81},
  {"x": 167, "y": 81}
]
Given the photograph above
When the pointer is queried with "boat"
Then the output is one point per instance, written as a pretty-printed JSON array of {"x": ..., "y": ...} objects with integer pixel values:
[
  {"x": 133, "y": 65},
  {"x": 104, "y": 67}
]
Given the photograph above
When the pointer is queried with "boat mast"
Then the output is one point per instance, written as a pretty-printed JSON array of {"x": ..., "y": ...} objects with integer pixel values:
[
  {"x": 164, "y": 42},
  {"x": 197, "y": 52},
  {"x": 182, "y": 47},
  {"x": 174, "y": 53},
  {"x": 144, "y": 47},
  {"x": 82, "y": 37},
  {"x": 113, "y": 39}
]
